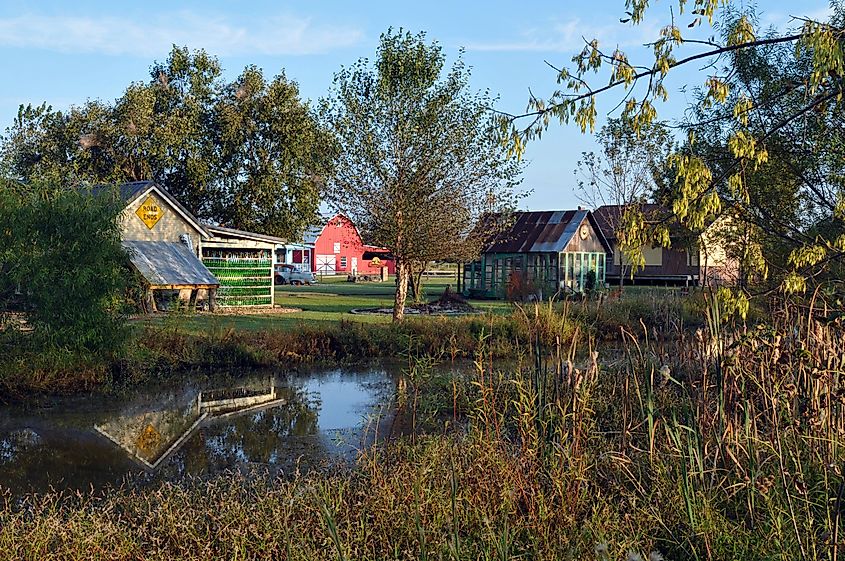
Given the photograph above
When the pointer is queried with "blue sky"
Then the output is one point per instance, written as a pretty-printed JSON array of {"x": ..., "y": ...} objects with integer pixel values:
[{"x": 66, "y": 52}]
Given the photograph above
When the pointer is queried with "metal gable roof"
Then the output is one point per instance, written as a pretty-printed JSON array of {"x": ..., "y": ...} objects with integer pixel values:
[
  {"x": 608, "y": 217},
  {"x": 539, "y": 231},
  {"x": 222, "y": 231},
  {"x": 168, "y": 263}
]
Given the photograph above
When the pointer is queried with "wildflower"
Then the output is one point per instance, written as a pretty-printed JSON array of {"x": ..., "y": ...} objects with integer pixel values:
[
  {"x": 655, "y": 556},
  {"x": 633, "y": 556}
]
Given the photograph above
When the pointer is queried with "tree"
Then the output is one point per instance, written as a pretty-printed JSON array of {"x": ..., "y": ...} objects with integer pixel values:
[
  {"x": 247, "y": 154},
  {"x": 628, "y": 173},
  {"x": 419, "y": 159},
  {"x": 63, "y": 267},
  {"x": 756, "y": 124}
]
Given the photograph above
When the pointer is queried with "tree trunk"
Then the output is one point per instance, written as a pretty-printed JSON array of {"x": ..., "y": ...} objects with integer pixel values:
[
  {"x": 621, "y": 276},
  {"x": 401, "y": 290},
  {"x": 416, "y": 282}
]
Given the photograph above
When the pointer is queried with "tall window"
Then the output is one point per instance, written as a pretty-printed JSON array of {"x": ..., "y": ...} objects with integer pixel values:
[{"x": 343, "y": 262}]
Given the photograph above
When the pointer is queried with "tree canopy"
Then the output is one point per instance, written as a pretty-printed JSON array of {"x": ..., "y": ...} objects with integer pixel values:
[
  {"x": 246, "y": 153},
  {"x": 419, "y": 159},
  {"x": 762, "y": 133}
]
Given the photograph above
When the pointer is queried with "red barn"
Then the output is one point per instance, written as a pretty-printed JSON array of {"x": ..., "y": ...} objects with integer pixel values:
[{"x": 339, "y": 249}]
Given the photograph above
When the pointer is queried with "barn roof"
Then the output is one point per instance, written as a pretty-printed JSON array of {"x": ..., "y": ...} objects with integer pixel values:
[
  {"x": 313, "y": 233},
  {"x": 168, "y": 263},
  {"x": 541, "y": 232}
]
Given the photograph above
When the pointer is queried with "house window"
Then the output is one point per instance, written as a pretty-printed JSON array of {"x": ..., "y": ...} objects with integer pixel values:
[
  {"x": 693, "y": 258},
  {"x": 343, "y": 262},
  {"x": 337, "y": 247}
]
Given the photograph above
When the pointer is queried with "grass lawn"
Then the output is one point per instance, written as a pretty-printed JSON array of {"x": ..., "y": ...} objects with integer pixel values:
[{"x": 327, "y": 302}]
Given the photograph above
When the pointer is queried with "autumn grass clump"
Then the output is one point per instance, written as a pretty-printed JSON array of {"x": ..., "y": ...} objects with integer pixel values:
[
  {"x": 345, "y": 340},
  {"x": 662, "y": 311}
]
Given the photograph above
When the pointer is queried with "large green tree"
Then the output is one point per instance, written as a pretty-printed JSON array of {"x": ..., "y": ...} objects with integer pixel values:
[
  {"x": 770, "y": 101},
  {"x": 246, "y": 153},
  {"x": 419, "y": 160}
]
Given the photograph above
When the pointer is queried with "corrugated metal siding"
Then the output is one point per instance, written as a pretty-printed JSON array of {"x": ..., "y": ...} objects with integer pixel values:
[{"x": 168, "y": 263}]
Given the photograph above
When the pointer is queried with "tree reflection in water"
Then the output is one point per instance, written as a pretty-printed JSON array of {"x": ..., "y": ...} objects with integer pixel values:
[
  {"x": 58, "y": 448},
  {"x": 273, "y": 439}
]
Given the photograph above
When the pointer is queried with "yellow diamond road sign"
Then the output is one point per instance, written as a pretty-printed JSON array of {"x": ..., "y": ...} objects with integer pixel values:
[{"x": 150, "y": 212}]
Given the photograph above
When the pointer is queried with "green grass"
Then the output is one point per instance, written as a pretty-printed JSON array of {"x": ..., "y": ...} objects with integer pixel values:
[{"x": 323, "y": 304}]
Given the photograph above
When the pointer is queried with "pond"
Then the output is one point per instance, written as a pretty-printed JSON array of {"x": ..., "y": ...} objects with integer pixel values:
[{"x": 268, "y": 422}]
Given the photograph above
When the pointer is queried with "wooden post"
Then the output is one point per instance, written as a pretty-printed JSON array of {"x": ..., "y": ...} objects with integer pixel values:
[
  {"x": 192, "y": 301},
  {"x": 149, "y": 304},
  {"x": 212, "y": 299},
  {"x": 459, "y": 279}
]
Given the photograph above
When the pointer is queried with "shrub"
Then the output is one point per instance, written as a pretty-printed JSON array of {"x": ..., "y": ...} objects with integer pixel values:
[{"x": 63, "y": 261}]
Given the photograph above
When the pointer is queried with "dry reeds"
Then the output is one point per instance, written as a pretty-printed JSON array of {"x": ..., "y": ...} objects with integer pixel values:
[{"x": 727, "y": 443}]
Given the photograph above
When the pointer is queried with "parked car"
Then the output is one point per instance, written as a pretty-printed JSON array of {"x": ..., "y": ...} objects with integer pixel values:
[{"x": 288, "y": 274}]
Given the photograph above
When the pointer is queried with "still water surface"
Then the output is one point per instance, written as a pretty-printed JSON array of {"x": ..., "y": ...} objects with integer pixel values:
[{"x": 265, "y": 422}]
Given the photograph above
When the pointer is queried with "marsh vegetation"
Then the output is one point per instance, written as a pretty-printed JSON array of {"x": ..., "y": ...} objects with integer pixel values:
[{"x": 724, "y": 440}]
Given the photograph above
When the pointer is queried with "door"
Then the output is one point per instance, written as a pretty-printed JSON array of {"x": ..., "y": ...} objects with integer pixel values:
[
  {"x": 354, "y": 265},
  {"x": 325, "y": 264}
]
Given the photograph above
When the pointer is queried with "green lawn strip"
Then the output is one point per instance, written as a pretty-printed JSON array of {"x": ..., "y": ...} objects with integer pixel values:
[{"x": 322, "y": 304}]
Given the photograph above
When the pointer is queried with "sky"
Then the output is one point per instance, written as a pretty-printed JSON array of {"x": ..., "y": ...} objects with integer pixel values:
[{"x": 64, "y": 53}]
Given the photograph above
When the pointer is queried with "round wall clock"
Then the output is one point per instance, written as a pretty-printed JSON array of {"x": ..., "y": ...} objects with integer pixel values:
[{"x": 585, "y": 231}]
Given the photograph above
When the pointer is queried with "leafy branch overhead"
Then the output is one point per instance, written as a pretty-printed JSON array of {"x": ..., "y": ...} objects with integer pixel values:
[{"x": 770, "y": 99}]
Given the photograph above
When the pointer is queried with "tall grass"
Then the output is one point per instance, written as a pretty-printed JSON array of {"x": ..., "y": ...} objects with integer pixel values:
[
  {"x": 162, "y": 350},
  {"x": 724, "y": 443}
]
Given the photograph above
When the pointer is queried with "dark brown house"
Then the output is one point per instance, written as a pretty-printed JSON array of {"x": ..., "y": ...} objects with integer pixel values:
[{"x": 676, "y": 265}]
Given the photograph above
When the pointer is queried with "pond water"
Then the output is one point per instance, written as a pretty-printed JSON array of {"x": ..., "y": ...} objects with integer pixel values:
[{"x": 266, "y": 421}]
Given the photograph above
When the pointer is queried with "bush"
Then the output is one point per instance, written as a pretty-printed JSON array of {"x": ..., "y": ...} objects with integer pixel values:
[{"x": 65, "y": 271}]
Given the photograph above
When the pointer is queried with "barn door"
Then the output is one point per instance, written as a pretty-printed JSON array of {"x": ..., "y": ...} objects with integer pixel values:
[{"x": 326, "y": 265}]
